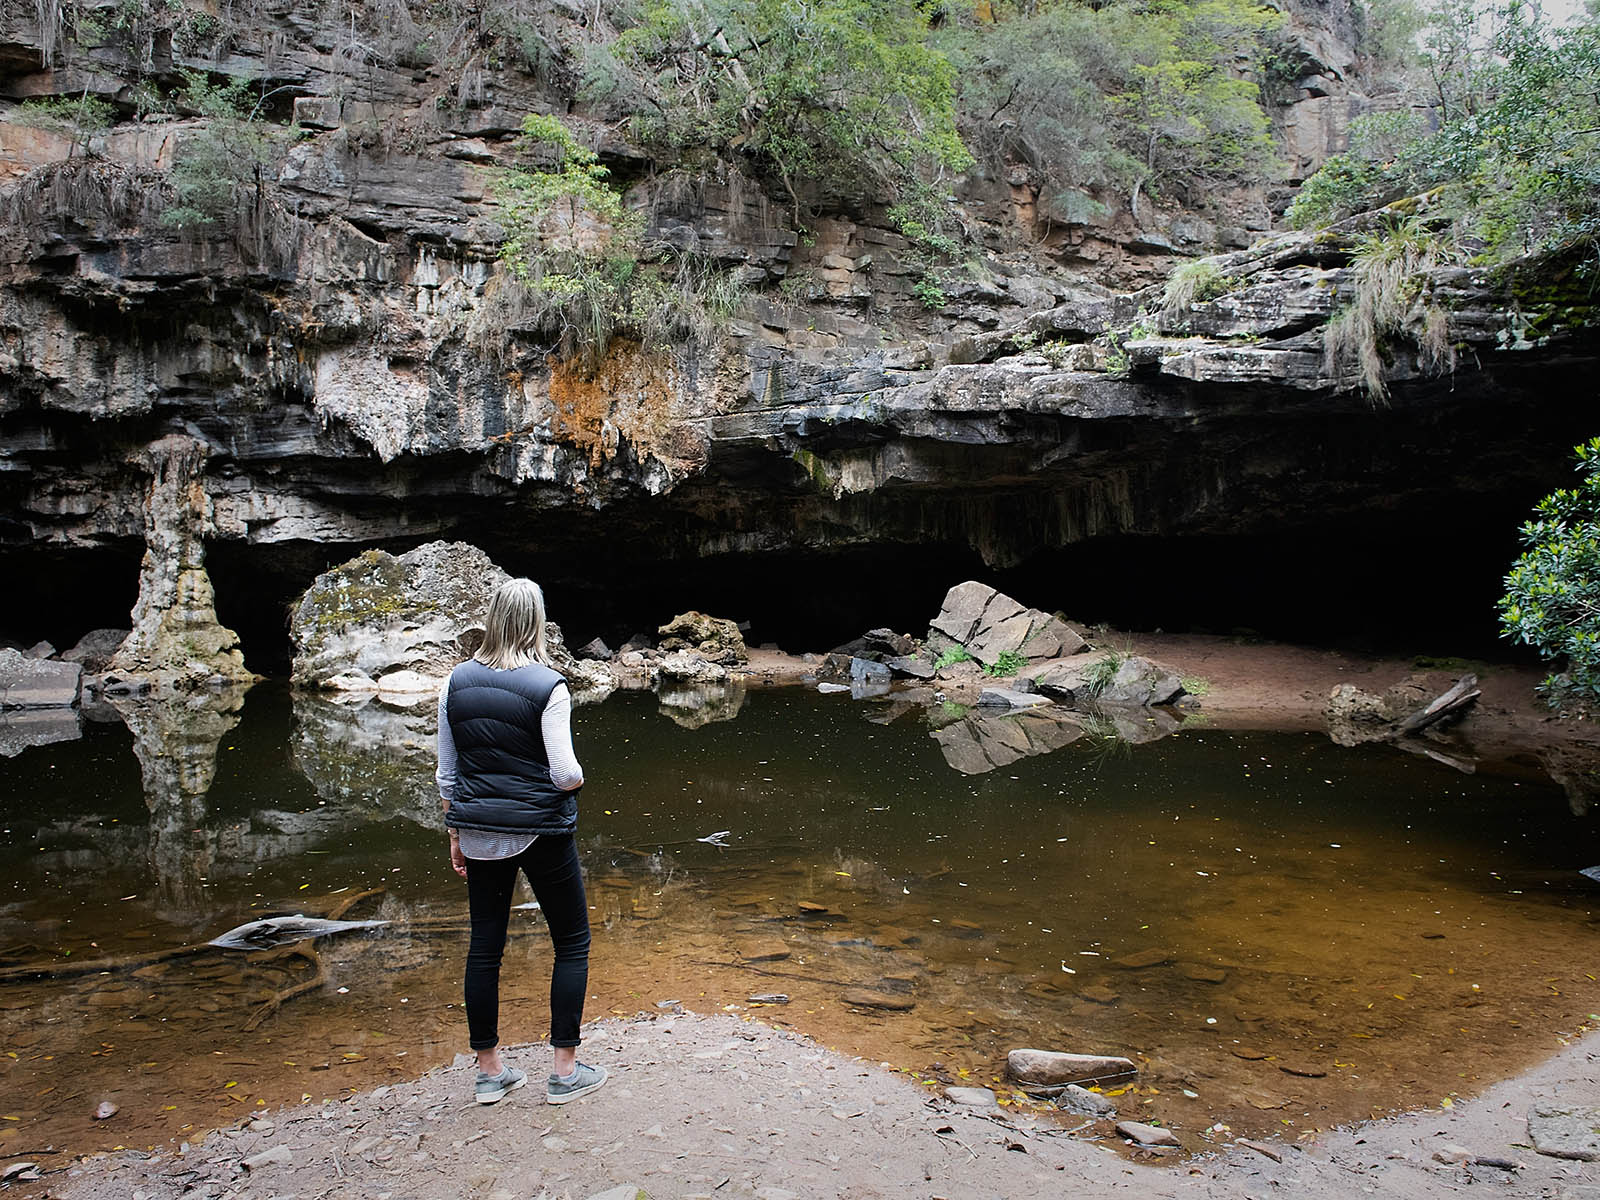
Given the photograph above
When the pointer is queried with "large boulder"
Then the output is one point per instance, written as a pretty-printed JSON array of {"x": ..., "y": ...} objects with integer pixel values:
[
  {"x": 27, "y": 682},
  {"x": 1118, "y": 680},
  {"x": 95, "y": 649},
  {"x": 379, "y": 613},
  {"x": 716, "y": 639},
  {"x": 400, "y": 623},
  {"x": 989, "y": 624}
]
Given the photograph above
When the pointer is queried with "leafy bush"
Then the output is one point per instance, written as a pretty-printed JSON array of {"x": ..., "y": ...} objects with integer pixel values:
[
  {"x": 228, "y": 162},
  {"x": 952, "y": 656},
  {"x": 577, "y": 267},
  {"x": 1552, "y": 598},
  {"x": 1144, "y": 96},
  {"x": 1515, "y": 154},
  {"x": 80, "y": 119}
]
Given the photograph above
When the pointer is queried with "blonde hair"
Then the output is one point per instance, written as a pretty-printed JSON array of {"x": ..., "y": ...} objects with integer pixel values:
[{"x": 513, "y": 628}]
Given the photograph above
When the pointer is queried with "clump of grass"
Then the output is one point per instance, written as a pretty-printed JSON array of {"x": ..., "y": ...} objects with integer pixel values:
[
  {"x": 952, "y": 656},
  {"x": 1102, "y": 671},
  {"x": 1194, "y": 685},
  {"x": 1007, "y": 664},
  {"x": 1390, "y": 300},
  {"x": 1194, "y": 283}
]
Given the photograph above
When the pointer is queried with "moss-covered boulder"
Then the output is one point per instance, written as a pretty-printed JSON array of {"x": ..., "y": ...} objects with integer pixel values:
[{"x": 381, "y": 613}]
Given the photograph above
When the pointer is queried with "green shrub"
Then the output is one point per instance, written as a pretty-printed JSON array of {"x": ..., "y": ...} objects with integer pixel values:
[
  {"x": 577, "y": 266},
  {"x": 227, "y": 163},
  {"x": 1102, "y": 671},
  {"x": 80, "y": 118},
  {"x": 952, "y": 656},
  {"x": 1552, "y": 597}
]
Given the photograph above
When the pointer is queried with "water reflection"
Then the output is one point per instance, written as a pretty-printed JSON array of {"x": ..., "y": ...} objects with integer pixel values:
[
  {"x": 693, "y": 705},
  {"x": 22, "y": 729},
  {"x": 1222, "y": 906}
]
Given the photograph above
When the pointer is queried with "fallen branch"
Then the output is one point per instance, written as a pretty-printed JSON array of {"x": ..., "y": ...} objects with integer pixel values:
[
  {"x": 66, "y": 968},
  {"x": 289, "y": 993}
]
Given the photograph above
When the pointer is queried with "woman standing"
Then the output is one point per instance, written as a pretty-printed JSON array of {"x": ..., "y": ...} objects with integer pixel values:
[{"x": 508, "y": 781}]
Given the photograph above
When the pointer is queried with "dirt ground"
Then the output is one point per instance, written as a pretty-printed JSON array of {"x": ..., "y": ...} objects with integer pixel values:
[
  {"x": 718, "y": 1106},
  {"x": 715, "y": 1106}
]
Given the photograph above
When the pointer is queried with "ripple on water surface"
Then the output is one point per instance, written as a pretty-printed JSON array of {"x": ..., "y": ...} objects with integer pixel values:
[{"x": 1285, "y": 934}]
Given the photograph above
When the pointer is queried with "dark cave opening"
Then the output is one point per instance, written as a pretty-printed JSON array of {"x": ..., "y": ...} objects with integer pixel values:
[{"x": 1415, "y": 580}]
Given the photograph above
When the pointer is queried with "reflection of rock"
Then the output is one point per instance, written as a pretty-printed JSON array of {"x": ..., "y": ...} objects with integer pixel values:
[
  {"x": 27, "y": 682},
  {"x": 1576, "y": 771},
  {"x": 990, "y": 624},
  {"x": 715, "y": 638},
  {"x": 177, "y": 641},
  {"x": 975, "y": 744},
  {"x": 694, "y": 705},
  {"x": 176, "y": 743},
  {"x": 36, "y": 727},
  {"x": 367, "y": 755},
  {"x": 1139, "y": 726}
]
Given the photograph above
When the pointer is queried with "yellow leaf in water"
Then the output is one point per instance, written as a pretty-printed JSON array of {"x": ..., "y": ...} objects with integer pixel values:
[
  {"x": 304, "y": 886},
  {"x": 1118, "y": 1092},
  {"x": 846, "y": 874},
  {"x": 170, "y": 1108},
  {"x": 231, "y": 1083},
  {"x": 1398, "y": 996},
  {"x": 1447, "y": 1102}
]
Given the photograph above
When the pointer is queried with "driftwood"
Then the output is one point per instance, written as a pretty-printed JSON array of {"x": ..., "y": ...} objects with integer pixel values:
[
  {"x": 1462, "y": 694},
  {"x": 67, "y": 968}
]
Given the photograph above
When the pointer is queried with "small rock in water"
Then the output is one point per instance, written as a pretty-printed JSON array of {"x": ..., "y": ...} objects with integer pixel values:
[
  {"x": 978, "y": 1097},
  {"x": 1248, "y": 1053},
  {"x": 104, "y": 1110},
  {"x": 807, "y": 906},
  {"x": 1081, "y": 1100},
  {"x": 1204, "y": 974},
  {"x": 1051, "y": 1067},
  {"x": 1143, "y": 958},
  {"x": 1147, "y": 1135},
  {"x": 827, "y": 688},
  {"x": 1303, "y": 1070},
  {"x": 1100, "y": 995},
  {"x": 770, "y": 951},
  {"x": 861, "y": 998}
]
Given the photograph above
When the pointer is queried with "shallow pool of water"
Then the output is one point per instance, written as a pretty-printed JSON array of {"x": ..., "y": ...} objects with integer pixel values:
[{"x": 1284, "y": 933}]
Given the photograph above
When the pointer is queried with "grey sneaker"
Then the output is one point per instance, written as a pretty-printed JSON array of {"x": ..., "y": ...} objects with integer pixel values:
[
  {"x": 589, "y": 1080},
  {"x": 489, "y": 1088}
]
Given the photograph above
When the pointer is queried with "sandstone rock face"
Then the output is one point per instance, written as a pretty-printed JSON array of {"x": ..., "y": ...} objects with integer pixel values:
[
  {"x": 95, "y": 649},
  {"x": 421, "y": 611},
  {"x": 690, "y": 667},
  {"x": 715, "y": 639},
  {"x": 989, "y": 624},
  {"x": 37, "y": 683}
]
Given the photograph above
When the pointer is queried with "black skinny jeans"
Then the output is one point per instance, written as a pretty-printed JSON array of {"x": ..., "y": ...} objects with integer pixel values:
[{"x": 551, "y": 865}]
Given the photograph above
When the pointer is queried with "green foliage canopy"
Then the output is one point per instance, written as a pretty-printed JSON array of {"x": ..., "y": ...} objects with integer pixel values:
[
  {"x": 1552, "y": 599},
  {"x": 1515, "y": 156}
]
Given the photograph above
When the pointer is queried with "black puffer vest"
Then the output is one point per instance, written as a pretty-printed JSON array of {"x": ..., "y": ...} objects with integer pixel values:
[{"x": 502, "y": 775}]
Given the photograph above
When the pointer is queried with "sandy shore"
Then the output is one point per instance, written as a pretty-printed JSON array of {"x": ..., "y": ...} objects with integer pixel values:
[{"x": 714, "y": 1106}]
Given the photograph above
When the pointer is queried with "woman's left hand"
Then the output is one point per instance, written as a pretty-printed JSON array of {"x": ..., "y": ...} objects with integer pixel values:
[{"x": 458, "y": 860}]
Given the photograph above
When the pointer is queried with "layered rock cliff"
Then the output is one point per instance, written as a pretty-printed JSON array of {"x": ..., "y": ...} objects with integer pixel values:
[{"x": 333, "y": 353}]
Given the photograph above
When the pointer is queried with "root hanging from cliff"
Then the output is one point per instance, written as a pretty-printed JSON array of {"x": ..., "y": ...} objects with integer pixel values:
[{"x": 90, "y": 191}]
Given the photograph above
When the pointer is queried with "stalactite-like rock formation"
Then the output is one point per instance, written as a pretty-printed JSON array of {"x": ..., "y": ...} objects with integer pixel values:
[{"x": 177, "y": 641}]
